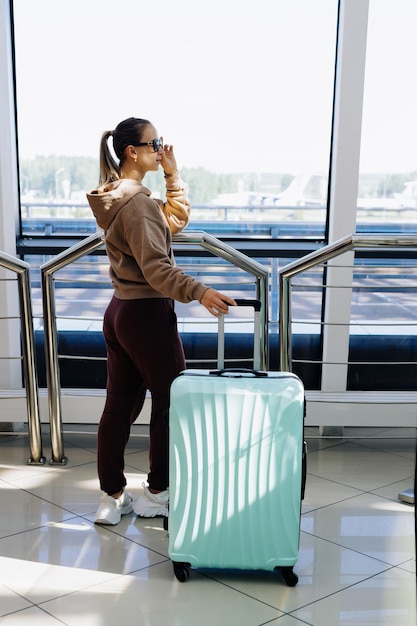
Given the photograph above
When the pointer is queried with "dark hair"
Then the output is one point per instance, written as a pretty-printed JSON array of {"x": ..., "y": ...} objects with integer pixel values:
[{"x": 127, "y": 133}]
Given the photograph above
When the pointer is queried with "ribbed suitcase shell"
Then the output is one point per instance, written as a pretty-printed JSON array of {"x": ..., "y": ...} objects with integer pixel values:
[{"x": 235, "y": 470}]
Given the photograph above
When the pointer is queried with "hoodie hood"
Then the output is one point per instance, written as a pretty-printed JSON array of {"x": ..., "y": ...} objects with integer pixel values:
[{"x": 107, "y": 200}]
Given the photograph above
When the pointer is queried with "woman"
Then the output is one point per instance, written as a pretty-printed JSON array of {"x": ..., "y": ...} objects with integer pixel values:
[{"x": 144, "y": 350}]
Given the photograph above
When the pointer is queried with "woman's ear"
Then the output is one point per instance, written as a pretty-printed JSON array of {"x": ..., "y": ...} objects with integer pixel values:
[{"x": 131, "y": 153}]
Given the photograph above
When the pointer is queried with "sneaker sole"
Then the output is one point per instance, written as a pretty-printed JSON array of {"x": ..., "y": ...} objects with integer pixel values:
[
  {"x": 105, "y": 522},
  {"x": 161, "y": 511},
  {"x": 152, "y": 515}
]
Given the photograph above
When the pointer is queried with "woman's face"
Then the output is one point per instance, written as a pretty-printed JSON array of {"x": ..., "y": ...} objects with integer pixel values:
[{"x": 147, "y": 159}]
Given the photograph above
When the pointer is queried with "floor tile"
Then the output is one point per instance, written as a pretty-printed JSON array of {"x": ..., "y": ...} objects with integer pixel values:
[
  {"x": 86, "y": 438},
  {"x": 405, "y": 447},
  {"x": 287, "y": 620},
  {"x": 409, "y": 566},
  {"x": 76, "y": 455},
  {"x": 388, "y": 598},
  {"x": 25, "y": 511},
  {"x": 153, "y": 597},
  {"x": 78, "y": 543},
  {"x": 31, "y": 617},
  {"x": 368, "y": 524},
  {"x": 392, "y": 490},
  {"x": 37, "y": 582},
  {"x": 138, "y": 460},
  {"x": 13, "y": 464},
  {"x": 319, "y": 443},
  {"x": 75, "y": 489},
  {"x": 145, "y": 532},
  {"x": 321, "y": 492},
  {"x": 10, "y": 601},
  {"x": 349, "y": 465}
]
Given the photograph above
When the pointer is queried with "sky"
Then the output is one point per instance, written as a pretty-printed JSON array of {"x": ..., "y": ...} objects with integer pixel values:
[{"x": 235, "y": 86}]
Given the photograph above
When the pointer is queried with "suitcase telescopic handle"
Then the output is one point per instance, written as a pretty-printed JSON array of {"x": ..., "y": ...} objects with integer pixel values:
[
  {"x": 238, "y": 371},
  {"x": 256, "y": 304}
]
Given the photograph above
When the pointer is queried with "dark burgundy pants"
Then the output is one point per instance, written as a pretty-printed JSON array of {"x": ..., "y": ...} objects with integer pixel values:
[{"x": 144, "y": 351}]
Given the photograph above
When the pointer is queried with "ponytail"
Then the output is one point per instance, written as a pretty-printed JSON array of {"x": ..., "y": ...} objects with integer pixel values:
[{"x": 109, "y": 170}]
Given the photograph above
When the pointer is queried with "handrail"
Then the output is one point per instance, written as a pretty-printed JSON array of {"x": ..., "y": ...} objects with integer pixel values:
[
  {"x": 237, "y": 258},
  {"x": 88, "y": 245},
  {"x": 330, "y": 251},
  {"x": 21, "y": 269},
  {"x": 51, "y": 337}
]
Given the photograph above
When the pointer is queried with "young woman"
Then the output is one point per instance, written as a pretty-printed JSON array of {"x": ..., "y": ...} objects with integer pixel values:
[{"x": 144, "y": 350}]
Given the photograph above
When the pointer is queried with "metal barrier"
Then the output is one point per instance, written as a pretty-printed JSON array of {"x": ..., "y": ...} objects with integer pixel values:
[
  {"x": 21, "y": 269},
  {"x": 322, "y": 256},
  {"x": 94, "y": 242},
  {"x": 318, "y": 257}
]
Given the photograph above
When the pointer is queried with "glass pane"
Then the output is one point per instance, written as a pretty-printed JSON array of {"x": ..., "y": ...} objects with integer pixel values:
[
  {"x": 243, "y": 91},
  {"x": 387, "y": 196}
]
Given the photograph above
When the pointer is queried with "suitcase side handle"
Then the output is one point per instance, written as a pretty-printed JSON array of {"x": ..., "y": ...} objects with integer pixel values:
[{"x": 235, "y": 371}]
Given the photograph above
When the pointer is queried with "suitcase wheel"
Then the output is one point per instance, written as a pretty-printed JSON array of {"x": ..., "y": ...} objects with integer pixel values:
[
  {"x": 182, "y": 571},
  {"x": 289, "y": 576}
]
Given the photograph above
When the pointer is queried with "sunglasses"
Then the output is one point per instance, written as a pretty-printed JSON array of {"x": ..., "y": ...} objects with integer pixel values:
[{"x": 155, "y": 143}]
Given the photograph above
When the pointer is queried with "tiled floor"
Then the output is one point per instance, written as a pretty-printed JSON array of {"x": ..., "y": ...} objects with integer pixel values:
[{"x": 356, "y": 562}]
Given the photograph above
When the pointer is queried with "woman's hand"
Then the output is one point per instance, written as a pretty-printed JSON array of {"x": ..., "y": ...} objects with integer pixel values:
[
  {"x": 216, "y": 303},
  {"x": 168, "y": 160}
]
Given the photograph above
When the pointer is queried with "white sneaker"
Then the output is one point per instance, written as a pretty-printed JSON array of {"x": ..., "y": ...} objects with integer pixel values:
[
  {"x": 111, "y": 509},
  {"x": 152, "y": 504}
]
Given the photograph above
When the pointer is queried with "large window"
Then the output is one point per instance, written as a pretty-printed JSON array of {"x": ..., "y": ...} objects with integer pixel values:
[
  {"x": 387, "y": 195},
  {"x": 243, "y": 90}
]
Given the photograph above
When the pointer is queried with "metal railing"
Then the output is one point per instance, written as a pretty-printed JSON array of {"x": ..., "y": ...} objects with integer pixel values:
[
  {"x": 319, "y": 257},
  {"x": 94, "y": 242},
  {"x": 21, "y": 269}
]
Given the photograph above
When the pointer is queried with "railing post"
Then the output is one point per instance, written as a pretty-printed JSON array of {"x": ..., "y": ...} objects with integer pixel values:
[
  {"x": 29, "y": 367},
  {"x": 52, "y": 370},
  {"x": 21, "y": 268},
  {"x": 285, "y": 334}
]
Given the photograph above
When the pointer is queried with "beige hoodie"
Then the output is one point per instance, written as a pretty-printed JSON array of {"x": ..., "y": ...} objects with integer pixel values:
[{"x": 138, "y": 234}]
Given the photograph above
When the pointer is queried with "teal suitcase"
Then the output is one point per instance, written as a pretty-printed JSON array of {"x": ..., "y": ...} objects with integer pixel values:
[{"x": 237, "y": 471}]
